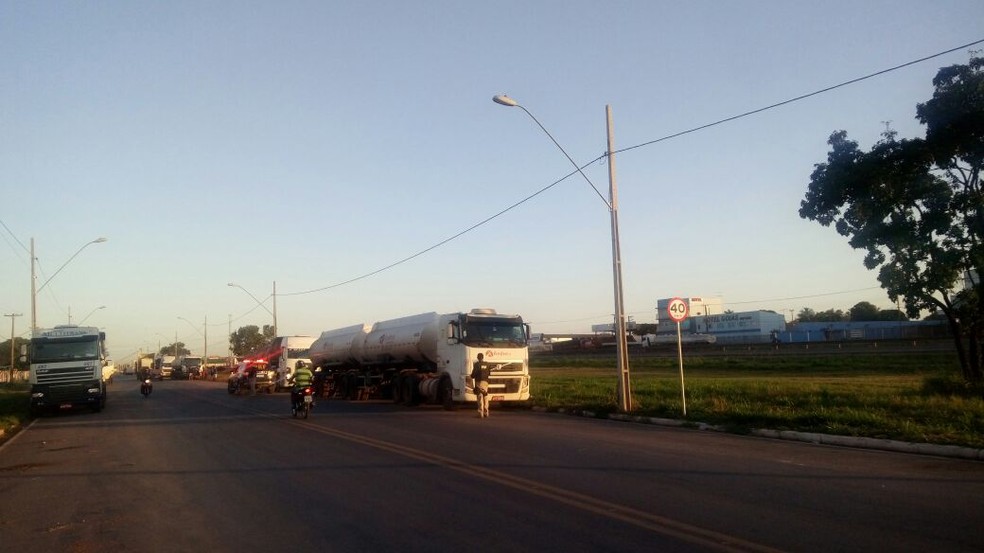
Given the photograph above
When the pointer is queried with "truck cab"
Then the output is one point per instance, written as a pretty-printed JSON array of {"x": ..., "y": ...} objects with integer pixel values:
[{"x": 67, "y": 364}]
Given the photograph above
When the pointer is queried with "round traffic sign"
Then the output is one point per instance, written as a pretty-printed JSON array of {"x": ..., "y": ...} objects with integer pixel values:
[{"x": 678, "y": 310}]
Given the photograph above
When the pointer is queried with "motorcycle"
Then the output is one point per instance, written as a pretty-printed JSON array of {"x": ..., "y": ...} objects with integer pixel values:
[
  {"x": 146, "y": 387},
  {"x": 301, "y": 402}
]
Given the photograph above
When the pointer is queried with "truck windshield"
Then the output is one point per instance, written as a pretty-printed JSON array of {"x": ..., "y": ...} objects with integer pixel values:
[
  {"x": 493, "y": 333},
  {"x": 45, "y": 351},
  {"x": 298, "y": 353}
]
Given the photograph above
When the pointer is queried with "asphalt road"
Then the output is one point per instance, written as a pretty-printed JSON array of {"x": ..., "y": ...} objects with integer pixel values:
[{"x": 194, "y": 469}]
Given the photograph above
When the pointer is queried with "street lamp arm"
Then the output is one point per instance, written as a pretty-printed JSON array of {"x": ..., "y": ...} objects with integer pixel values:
[
  {"x": 504, "y": 100},
  {"x": 86, "y": 318},
  {"x": 192, "y": 326},
  {"x": 258, "y": 302},
  {"x": 65, "y": 264}
]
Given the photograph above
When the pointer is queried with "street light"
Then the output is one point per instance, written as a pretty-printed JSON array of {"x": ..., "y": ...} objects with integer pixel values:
[
  {"x": 35, "y": 289},
  {"x": 84, "y": 319},
  {"x": 621, "y": 346},
  {"x": 260, "y": 303}
]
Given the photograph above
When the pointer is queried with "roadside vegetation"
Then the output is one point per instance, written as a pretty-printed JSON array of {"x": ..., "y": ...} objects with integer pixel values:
[
  {"x": 13, "y": 407},
  {"x": 914, "y": 398}
]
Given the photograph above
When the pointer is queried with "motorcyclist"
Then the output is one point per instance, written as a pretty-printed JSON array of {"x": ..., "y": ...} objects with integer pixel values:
[{"x": 301, "y": 378}]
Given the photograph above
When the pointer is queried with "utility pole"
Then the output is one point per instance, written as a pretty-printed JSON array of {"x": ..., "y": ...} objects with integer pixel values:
[
  {"x": 12, "y": 315},
  {"x": 275, "y": 310},
  {"x": 34, "y": 292}
]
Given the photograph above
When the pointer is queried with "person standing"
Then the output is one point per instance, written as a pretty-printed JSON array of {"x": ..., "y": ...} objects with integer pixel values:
[
  {"x": 251, "y": 377},
  {"x": 480, "y": 383}
]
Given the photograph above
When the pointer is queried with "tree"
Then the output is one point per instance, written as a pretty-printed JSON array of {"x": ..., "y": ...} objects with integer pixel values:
[
  {"x": 864, "y": 311},
  {"x": 247, "y": 339},
  {"x": 891, "y": 315},
  {"x": 806, "y": 315},
  {"x": 178, "y": 347},
  {"x": 5, "y": 354},
  {"x": 917, "y": 208}
]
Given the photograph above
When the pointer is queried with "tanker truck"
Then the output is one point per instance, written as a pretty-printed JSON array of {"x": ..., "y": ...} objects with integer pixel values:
[{"x": 427, "y": 358}]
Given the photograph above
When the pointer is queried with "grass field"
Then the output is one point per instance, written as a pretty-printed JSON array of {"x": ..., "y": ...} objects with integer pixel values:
[
  {"x": 906, "y": 397},
  {"x": 909, "y": 397}
]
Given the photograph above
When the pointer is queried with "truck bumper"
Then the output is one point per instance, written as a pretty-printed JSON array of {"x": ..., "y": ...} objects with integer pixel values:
[{"x": 68, "y": 396}]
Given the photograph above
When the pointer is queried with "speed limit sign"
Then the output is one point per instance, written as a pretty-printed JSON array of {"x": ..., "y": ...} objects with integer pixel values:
[{"x": 678, "y": 310}]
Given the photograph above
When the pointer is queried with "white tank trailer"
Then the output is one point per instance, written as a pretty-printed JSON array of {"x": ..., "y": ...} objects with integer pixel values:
[{"x": 427, "y": 358}]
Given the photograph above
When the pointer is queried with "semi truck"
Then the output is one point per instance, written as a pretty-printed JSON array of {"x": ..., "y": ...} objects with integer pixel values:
[
  {"x": 144, "y": 365},
  {"x": 66, "y": 368},
  {"x": 282, "y": 355},
  {"x": 186, "y": 367},
  {"x": 163, "y": 366},
  {"x": 427, "y": 358}
]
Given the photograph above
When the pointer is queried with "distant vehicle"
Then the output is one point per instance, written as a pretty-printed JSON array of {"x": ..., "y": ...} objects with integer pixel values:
[
  {"x": 427, "y": 357},
  {"x": 282, "y": 355},
  {"x": 266, "y": 377},
  {"x": 186, "y": 366},
  {"x": 66, "y": 370},
  {"x": 163, "y": 366},
  {"x": 144, "y": 365},
  {"x": 652, "y": 340}
]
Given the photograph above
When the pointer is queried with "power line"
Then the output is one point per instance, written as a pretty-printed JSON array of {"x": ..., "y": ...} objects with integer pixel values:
[
  {"x": 629, "y": 148},
  {"x": 801, "y": 97}
]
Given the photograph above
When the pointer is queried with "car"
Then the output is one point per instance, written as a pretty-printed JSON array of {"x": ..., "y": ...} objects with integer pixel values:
[{"x": 266, "y": 378}]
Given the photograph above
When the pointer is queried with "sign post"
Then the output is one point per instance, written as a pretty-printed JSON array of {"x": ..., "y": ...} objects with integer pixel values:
[{"x": 678, "y": 309}]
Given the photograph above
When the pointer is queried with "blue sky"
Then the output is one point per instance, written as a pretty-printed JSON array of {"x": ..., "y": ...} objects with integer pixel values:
[{"x": 311, "y": 143}]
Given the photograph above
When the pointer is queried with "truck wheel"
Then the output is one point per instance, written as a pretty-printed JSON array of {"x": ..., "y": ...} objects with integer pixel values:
[
  {"x": 410, "y": 390},
  {"x": 445, "y": 393},
  {"x": 397, "y": 387}
]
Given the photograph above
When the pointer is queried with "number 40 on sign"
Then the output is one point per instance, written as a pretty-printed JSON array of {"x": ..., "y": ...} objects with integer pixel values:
[{"x": 678, "y": 310}]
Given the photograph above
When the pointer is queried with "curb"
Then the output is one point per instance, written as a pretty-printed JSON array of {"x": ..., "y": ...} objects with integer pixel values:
[{"x": 896, "y": 446}]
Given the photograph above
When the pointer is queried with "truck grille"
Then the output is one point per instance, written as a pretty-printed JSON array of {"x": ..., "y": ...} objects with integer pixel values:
[
  {"x": 66, "y": 393},
  {"x": 66, "y": 374},
  {"x": 505, "y": 385}
]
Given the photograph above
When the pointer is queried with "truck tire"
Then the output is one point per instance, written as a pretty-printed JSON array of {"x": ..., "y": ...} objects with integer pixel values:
[
  {"x": 397, "y": 387},
  {"x": 410, "y": 395},
  {"x": 445, "y": 393}
]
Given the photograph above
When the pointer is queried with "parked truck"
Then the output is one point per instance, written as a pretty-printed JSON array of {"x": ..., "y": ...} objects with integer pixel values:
[
  {"x": 163, "y": 366},
  {"x": 282, "y": 355},
  {"x": 186, "y": 367},
  {"x": 66, "y": 368},
  {"x": 427, "y": 358},
  {"x": 144, "y": 365}
]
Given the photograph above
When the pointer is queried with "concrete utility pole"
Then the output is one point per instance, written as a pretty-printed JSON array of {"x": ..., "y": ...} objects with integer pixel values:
[
  {"x": 12, "y": 358},
  {"x": 624, "y": 390}
]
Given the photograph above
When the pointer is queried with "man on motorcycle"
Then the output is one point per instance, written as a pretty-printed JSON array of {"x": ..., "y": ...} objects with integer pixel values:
[{"x": 301, "y": 378}]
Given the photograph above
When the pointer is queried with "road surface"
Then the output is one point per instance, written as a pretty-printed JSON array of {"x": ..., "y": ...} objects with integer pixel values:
[{"x": 192, "y": 468}]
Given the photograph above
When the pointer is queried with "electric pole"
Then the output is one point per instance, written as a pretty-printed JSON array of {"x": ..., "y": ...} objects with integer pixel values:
[{"x": 12, "y": 358}]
